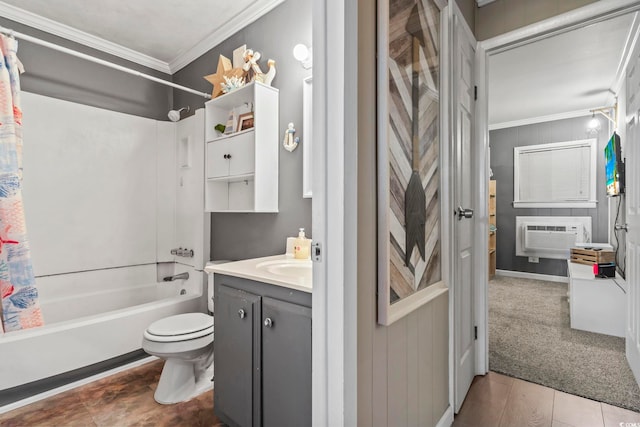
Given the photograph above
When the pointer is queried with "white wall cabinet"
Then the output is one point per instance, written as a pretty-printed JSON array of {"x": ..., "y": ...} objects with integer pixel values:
[{"x": 242, "y": 167}]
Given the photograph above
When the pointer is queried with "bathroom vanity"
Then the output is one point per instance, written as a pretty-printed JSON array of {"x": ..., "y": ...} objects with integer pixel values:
[{"x": 262, "y": 343}]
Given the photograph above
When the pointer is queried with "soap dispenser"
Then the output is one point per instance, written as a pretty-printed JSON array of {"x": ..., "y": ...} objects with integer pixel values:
[{"x": 301, "y": 246}]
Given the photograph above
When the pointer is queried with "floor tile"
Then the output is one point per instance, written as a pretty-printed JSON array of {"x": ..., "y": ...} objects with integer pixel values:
[
  {"x": 500, "y": 378},
  {"x": 528, "y": 404},
  {"x": 559, "y": 424},
  {"x": 484, "y": 403},
  {"x": 576, "y": 411},
  {"x": 485, "y": 389},
  {"x": 617, "y": 417}
]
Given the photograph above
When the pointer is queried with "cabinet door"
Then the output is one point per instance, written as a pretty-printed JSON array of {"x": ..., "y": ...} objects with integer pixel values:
[
  {"x": 217, "y": 162},
  {"x": 286, "y": 364},
  {"x": 237, "y": 326},
  {"x": 242, "y": 150}
]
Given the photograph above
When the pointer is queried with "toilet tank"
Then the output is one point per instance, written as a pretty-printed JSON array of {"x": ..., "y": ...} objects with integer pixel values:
[{"x": 210, "y": 284}]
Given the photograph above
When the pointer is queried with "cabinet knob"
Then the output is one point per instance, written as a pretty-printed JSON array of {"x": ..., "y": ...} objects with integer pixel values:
[
  {"x": 268, "y": 322},
  {"x": 228, "y": 156},
  {"x": 241, "y": 313}
]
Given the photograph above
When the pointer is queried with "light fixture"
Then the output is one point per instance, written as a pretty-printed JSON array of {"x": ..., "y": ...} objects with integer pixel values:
[
  {"x": 174, "y": 115},
  {"x": 594, "y": 124},
  {"x": 303, "y": 54}
]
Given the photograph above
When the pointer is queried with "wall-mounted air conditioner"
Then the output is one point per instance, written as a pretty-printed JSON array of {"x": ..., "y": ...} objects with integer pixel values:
[{"x": 550, "y": 236}]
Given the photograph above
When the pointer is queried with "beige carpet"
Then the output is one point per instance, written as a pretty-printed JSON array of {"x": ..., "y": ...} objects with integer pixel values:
[{"x": 530, "y": 338}]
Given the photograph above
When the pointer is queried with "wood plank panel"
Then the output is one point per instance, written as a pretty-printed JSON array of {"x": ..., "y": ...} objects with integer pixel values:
[
  {"x": 440, "y": 356},
  {"x": 425, "y": 368},
  {"x": 397, "y": 348},
  {"x": 412, "y": 369}
]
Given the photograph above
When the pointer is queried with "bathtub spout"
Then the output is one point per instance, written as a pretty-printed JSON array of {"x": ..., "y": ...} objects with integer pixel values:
[{"x": 181, "y": 276}]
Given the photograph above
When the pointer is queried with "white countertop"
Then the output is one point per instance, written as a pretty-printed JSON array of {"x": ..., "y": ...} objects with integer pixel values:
[{"x": 254, "y": 269}]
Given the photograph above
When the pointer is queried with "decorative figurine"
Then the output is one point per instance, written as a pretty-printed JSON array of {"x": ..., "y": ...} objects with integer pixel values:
[
  {"x": 290, "y": 141},
  {"x": 251, "y": 59},
  {"x": 224, "y": 70},
  {"x": 268, "y": 78},
  {"x": 232, "y": 83}
]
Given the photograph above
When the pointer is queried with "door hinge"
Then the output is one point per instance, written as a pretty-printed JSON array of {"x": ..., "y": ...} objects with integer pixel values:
[
  {"x": 316, "y": 252},
  {"x": 475, "y": 93},
  {"x": 475, "y": 332}
]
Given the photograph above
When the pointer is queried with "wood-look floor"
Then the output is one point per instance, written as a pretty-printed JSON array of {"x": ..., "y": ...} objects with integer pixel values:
[
  {"x": 123, "y": 399},
  {"x": 499, "y": 401},
  {"x": 126, "y": 399}
]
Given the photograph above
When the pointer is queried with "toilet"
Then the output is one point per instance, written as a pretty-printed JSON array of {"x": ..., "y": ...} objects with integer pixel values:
[{"x": 185, "y": 341}]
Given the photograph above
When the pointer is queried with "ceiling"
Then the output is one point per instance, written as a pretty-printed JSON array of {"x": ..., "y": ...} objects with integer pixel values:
[
  {"x": 563, "y": 75},
  {"x": 164, "y": 35}
]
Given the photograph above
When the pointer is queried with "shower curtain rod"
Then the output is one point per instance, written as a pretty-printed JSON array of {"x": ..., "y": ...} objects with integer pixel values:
[{"x": 90, "y": 58}]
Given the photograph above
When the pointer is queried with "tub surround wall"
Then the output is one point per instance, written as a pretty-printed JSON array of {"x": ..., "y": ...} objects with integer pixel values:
[
  {"x": 90, "y": 186},
  {"x": 241, "y": 236},
  {"x": 73, "y": 79},
  {"x": 502, "y": 142}
]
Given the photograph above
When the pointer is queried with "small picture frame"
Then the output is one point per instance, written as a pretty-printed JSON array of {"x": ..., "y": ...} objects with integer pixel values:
[
  {"x": 230, "y": 128},
  {"x": 245, "y": 121}
]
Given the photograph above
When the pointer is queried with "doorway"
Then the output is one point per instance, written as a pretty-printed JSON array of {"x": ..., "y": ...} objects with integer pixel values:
[{"x": 532, "y": 124}]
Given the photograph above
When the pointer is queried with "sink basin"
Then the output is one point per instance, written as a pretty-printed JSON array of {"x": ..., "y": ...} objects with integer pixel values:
[{"x": 289, "y": 267}]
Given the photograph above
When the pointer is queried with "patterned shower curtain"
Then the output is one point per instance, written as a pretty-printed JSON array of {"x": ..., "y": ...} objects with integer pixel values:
[{"x": 20, "y": 308}]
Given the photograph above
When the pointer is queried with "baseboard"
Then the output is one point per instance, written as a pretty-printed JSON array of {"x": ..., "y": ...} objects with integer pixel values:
[
  {"x": 535, "y": 276},
  {"x": 447, "y": 418}
]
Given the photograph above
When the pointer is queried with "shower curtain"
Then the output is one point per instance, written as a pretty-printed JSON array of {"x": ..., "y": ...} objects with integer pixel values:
[{"x": 20, "y": 308}]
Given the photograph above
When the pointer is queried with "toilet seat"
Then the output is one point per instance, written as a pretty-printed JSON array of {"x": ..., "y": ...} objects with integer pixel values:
[{"x": 181, "y": 327}]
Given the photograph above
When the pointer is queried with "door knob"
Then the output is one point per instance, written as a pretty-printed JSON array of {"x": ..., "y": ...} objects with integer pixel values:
[
  {"x": 241, "y": 313},
  {"x": 268, "y": 322},
  {"x": 464, "y": 213}
]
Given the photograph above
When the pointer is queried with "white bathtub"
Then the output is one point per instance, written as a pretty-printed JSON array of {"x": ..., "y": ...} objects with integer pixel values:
[{"x": 94, "y": 316}]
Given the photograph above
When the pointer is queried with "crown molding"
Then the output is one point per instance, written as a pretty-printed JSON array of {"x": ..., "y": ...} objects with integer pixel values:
[
  {"x": 61, "y": 30},
  {"x": 541, "y": 119},
  {"x": 484, "y": 2},
  {"x": 251, "y": 14}
]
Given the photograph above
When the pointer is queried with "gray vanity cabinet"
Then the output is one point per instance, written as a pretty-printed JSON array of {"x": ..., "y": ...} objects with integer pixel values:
[
  {"x": 262, "y": 354},
  {"x": 286, "y": 364},
  {"x": 237, "y": 317}
]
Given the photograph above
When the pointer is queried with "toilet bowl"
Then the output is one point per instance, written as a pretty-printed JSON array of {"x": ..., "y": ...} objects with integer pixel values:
[{"x": 185, "y": 341}]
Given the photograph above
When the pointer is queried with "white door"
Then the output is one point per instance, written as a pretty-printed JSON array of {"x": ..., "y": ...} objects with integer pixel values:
[
  {"x": 191, "y": 221},
  {"x": 463, "y": 66},
  {"x": 632, "y": 166}
]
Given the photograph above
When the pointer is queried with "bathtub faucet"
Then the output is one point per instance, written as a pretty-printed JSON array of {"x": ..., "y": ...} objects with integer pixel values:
[{"x": 181, "y": 276}]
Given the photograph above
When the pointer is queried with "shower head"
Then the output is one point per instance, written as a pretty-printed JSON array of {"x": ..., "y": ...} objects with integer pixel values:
[{"x": 174, "y": 115}]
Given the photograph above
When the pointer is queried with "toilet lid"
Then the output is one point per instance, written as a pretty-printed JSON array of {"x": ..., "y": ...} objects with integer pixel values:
[{"x": 181, "y": 324}]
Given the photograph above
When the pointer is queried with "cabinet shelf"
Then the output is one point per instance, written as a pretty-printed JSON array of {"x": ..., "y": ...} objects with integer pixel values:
[
  {"x": 233, "y": 178},
  {"x": 242, "y": 167},
  {"x": 492, "y": 234},
  {"x": 232, "y": 135}
]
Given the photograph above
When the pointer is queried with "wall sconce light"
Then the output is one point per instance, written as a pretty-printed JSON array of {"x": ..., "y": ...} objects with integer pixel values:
[
  {"x": 303, "y": 54},
  {"x": 594, "y": 124},
  {"x": 593, "y": 127}
]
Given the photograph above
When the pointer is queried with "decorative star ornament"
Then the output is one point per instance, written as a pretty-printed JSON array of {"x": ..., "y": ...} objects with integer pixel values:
[{"x": 225, "y": 69}]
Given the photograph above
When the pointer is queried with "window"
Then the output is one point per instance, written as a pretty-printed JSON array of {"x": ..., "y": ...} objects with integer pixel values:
[{"x": 557, "y": 175}]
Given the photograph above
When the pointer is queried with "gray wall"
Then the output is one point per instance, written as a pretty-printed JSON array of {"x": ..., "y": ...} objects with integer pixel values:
[
  {"x": 502, "y": 142},
  {"x": 240, "y": 236},
  {"x": 403, "y": 368},
  {"x": 62, "y": 76},
  {"x": 502, "y": 16},
  {"x": 468, "y": 9}
]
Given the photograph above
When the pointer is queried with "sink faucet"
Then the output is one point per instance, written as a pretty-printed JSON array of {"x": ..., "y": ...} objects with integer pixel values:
[{"x": 181, "y": 276}]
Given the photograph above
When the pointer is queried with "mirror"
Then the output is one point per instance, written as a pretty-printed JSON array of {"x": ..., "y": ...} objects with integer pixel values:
[{"x": 307, "y": 132}]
